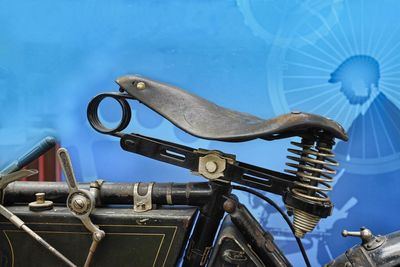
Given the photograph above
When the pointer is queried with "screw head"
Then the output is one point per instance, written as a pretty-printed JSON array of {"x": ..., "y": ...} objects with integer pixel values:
[
  {"x": 79, "y": 203},
  {"x": 140, "y": 85}
]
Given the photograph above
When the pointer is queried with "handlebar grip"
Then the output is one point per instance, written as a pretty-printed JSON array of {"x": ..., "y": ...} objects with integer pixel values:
[{"x": 39, "y": 149}]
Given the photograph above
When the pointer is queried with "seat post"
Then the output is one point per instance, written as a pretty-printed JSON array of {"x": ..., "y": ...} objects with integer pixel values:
[{"x": 211, "y": 214}]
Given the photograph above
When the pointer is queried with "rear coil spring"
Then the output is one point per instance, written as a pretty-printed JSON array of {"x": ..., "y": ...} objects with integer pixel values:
[{"x": 313, "y": 168}]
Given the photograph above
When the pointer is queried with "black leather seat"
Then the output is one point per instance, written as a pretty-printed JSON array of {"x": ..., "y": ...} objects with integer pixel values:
[{"x": 207, "y": 120}]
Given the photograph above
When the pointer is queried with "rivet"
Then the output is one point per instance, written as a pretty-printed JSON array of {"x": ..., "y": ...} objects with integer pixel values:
[{"x": 140, "y": 85}]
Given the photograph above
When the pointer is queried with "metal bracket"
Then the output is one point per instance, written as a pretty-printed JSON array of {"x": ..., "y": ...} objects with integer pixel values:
[
  {"x": 376, "y": 242},
  {"x": 142, "y": 203},
  {"x": 189, "y": 158},
  {"x": 95, "y": 188},
  {"x": 213, "y": 164}
]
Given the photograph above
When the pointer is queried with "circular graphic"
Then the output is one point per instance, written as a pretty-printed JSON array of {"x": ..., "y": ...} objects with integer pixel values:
[
  {"x": 350, "y": 76},
  {"x": 276, "y": 21}
]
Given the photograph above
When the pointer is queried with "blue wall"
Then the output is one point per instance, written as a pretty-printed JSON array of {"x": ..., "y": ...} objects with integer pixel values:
[{"x": 335, "y": 58}]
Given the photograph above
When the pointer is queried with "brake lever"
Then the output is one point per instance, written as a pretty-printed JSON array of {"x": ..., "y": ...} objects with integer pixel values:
[{"x": 80, "y": 202}]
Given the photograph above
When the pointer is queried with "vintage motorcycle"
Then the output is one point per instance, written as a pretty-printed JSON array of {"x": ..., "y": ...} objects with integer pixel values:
[{"x": 170, "y": 224}]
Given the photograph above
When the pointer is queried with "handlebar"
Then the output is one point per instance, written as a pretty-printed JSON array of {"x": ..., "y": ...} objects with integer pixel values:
[
  {"x": 39, "y": 149},
  {"x": 193, "y": 194}
]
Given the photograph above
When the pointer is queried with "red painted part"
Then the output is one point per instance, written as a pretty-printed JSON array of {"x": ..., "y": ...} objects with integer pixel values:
[
  {"x": 42, "y": 166},
  {"x": 58, "y": 167},
  {"x": 47, "y": 165}
]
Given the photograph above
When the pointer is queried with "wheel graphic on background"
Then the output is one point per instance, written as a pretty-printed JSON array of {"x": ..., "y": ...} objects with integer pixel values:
[
  {"x": 350, "y": 75},
  {"x": 280, "y": 22},
  {"x": 349, "y": 72}
]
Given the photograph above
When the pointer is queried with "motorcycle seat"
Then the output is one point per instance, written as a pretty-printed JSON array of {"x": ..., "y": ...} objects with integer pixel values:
[{"x": 204, "y": 119}]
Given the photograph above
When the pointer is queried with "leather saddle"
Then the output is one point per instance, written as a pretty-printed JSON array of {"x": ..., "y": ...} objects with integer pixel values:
[{"x": 207, "y": 120}]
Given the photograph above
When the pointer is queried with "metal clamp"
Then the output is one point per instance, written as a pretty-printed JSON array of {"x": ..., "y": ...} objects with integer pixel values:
[
  {"x": 95, "y": 189},
  {"x": 142, "y": 203}
]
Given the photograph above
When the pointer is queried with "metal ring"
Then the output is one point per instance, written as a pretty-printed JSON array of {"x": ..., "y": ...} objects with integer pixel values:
[
  {"x": 93, "y": 116},
  {"x": 169, "y": 194}
]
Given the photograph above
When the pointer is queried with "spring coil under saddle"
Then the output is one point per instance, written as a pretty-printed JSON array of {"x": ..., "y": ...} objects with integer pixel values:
[{"x": 313, "y": 162}]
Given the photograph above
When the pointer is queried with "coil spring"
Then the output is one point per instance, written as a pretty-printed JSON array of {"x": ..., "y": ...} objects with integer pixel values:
[{"x": 313, "y": 168}]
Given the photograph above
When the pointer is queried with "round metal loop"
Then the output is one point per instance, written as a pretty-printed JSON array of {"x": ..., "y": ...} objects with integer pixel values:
[{"x": 93, "y": 116}]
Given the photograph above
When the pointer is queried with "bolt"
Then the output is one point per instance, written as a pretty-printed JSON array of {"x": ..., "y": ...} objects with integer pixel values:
[
  {"x": 141, "y": 205},
  {"x": 211, "y": 166},
  {"x": 140, "y": 85},
  {"x": 40, "y": 198},
  {"x": 97, "y": 236}
]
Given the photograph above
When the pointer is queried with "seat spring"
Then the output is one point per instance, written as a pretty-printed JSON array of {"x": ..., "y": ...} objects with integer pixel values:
[{"x": 312, "y": 164}]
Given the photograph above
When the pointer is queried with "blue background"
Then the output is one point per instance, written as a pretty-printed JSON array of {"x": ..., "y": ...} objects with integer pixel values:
[{"x": 262, "y": 57}]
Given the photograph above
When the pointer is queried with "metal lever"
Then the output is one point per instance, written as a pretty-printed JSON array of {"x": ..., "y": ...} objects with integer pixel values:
[
  {"x": 364, "y": 233},
  {"x": 6, "y": 179},
  {"x": 80, "y": 202},
  {"x": 368, "y": 240},
  {"x": 346, "y": 233}
]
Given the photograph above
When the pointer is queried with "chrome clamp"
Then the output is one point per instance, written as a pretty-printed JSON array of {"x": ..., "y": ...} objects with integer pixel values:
[{"x": 142, "y": 203}]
